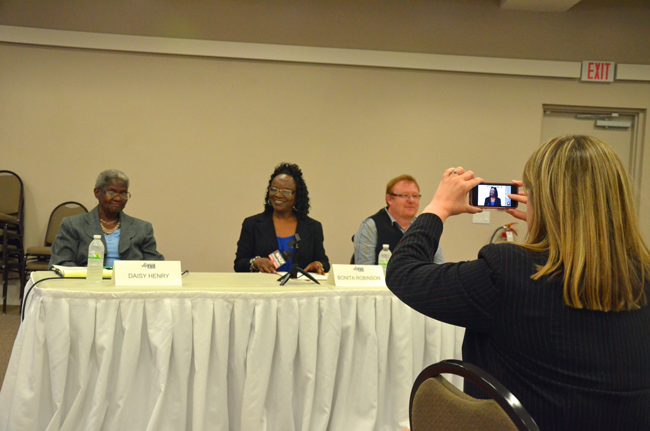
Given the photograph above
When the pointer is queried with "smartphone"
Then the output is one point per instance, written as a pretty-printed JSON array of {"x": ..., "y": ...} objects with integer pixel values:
[{"x": 493, "y": 195}]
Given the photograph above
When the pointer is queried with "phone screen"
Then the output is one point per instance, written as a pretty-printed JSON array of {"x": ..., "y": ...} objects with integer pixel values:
[{"x": 493, "y": 195}]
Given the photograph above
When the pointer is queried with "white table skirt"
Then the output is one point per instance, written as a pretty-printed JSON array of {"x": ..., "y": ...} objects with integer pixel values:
[{"x": 301, "y": 358}]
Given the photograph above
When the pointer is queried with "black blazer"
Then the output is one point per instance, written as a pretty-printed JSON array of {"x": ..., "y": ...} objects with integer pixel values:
[
  {"x": 497, "y": 202},
  {"x": 571, "y": 369},
  {"x": 258, "y": 238}
]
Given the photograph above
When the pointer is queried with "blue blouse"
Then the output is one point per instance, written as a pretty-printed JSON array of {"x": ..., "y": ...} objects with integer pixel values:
[
  {"x": 112, "y": 247},
  {"x": 283, "y": 245}
]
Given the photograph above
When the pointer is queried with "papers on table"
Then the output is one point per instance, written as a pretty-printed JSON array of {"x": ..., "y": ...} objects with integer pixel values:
[{"x": 77, "y": 271}]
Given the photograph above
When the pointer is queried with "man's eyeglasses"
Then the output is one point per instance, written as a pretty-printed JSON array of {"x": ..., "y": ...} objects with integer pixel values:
[
  {"x": 414, "y": 197},
  {"x": 111, "y": 194},
  {"x": 285, "y": 192}
]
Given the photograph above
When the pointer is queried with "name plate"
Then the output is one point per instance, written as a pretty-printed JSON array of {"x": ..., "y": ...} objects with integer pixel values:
[
  {"x": 147, "y": 273},
  {"x": 356, "y": 276}
]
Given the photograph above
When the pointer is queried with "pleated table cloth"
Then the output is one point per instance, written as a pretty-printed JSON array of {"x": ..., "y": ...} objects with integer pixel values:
[{"x": 223, "y": 352}]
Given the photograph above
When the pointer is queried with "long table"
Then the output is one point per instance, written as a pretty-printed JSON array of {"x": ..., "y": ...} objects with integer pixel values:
[{"x": 223, "y": 352}]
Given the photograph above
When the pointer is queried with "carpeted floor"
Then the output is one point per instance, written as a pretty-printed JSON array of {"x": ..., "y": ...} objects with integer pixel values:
[{"x": 8, "y": 329}]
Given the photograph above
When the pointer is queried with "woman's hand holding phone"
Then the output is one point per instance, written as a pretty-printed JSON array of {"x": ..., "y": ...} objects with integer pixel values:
[
  {"x": 451, "y": 196},
  {"x": 520, "y": 197}
]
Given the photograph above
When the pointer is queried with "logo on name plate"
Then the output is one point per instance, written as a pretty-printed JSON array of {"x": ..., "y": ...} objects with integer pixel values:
[
  {"x": 358, "y": 268},
  {"x": 149, "y": 265}
]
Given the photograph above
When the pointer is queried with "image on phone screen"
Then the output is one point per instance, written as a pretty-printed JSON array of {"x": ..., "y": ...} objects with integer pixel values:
[{"x": 493, "y": 195}]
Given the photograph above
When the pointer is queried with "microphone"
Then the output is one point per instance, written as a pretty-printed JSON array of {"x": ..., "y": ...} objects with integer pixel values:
[
  {"x": 278, "y": 259},
  {"x": 295, "y": 241}
]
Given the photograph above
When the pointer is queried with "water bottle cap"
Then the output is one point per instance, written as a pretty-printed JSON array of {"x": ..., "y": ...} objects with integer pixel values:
[
  {"x": 97, "y": 236},
  {"x": 386, "y": 245}
]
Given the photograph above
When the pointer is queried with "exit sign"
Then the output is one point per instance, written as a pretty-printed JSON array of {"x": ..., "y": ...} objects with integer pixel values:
[{"x": 598, "y": 71}]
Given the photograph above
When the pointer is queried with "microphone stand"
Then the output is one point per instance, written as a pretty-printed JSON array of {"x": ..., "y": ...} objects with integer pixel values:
[{"x": 295, "y": 269}]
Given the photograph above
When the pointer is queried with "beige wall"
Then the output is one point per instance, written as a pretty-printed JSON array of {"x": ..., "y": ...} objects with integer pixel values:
[{"x": 199, "y": 138}]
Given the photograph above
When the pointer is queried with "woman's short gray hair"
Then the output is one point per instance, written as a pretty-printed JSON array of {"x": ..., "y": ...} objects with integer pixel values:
[{"x": 110, "y": 174}]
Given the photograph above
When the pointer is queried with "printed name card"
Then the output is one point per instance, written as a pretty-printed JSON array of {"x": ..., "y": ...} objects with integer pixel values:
[
  {"x": 356, "y": 276},
  {"x": 147, "y": 273}
]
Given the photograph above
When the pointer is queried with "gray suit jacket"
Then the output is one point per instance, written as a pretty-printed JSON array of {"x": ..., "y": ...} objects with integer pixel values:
[{"x": 70, "y": 247}]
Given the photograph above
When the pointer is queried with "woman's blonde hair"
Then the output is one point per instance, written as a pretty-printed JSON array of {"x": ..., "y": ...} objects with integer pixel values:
[{"x": 583, "y": 216}]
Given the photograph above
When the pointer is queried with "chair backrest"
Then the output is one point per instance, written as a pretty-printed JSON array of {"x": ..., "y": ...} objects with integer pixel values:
[
  {"x": 437, "y": 405},
  {"x": 11, "y": 194},
  {"x": 66, "y": 209}
]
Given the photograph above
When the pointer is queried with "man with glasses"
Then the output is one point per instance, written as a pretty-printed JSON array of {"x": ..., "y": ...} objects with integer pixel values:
[{"x": 388, "y": 225}]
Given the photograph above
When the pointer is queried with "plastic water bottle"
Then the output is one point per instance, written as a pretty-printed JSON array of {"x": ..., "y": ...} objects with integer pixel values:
[
  {"x": 95, "y": 269},
  {"x": 384, "y": 257}
]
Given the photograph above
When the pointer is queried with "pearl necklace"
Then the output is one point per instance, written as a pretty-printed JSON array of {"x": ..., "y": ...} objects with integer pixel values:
[{"x": 108, "y": 231}]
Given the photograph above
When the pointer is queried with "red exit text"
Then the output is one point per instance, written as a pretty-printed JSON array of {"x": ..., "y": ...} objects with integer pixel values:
[{"x": 598, "y": 71}]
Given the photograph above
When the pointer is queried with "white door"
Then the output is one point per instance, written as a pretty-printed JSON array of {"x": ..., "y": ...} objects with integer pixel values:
[{"x": 626, "y": 141}]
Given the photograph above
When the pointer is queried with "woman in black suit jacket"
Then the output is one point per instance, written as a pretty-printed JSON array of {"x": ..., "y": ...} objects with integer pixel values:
[
  {"x": 493, "y": 200},
  {"x": 562, "y": 320},
  {"x": 286, "y": 206}
]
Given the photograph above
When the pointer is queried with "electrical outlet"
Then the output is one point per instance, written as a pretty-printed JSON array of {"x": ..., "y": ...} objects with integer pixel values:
[{"x": 483, "y": 218}]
